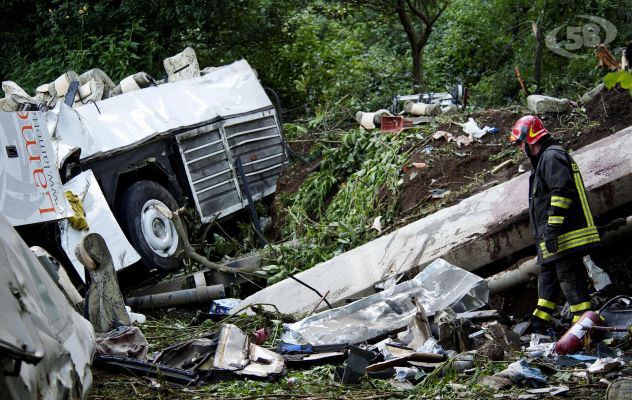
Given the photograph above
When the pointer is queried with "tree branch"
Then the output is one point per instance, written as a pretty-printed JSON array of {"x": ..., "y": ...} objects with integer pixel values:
[
  {"x": 418, "y": 13},
  {"x": 406, "y": 23},
  {"x": 441, "y": 10}
]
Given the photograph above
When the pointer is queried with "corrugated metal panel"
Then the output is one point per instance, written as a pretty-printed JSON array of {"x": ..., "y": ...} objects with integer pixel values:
[
  {"x": 259, "y": 146},
  {"x": 209, "y": 155}
]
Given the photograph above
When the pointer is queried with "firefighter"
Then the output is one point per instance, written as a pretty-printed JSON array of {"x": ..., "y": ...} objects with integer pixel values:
[{"x": 561, "y": 222}]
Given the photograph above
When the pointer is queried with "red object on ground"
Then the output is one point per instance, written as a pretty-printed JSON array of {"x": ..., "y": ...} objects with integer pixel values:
[
  {"x": 260, "y": 336},
  {"x": 394, "y": 123},
  {"x": 573, "y": 339}
]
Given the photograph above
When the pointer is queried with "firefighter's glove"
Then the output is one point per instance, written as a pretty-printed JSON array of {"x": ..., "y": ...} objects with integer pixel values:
[{"x": 550, "y": 240}]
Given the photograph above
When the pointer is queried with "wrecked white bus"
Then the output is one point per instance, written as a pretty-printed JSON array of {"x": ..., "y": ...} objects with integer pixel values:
[{"x": 204, "y": 142}]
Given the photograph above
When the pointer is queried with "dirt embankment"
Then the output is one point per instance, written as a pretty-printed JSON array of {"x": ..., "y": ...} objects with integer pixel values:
[{"x": 450, "y": 168}]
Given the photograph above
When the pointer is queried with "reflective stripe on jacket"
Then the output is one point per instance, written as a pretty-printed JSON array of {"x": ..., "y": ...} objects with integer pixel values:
[{"x": 557, "y": 200}]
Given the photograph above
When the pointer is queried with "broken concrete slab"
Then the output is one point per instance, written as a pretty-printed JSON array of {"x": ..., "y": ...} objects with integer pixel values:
[
  {"x": 479, "y": 230},
  {"x": 546, "y": 104}
]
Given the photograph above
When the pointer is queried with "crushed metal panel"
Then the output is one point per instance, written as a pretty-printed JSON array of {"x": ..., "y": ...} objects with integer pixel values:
[
  {"x": 123, "y": 121},
  {"x": 39, "y": 321},
  {"x": 30, "y": 185},
  {"x": 235, "y": 353},
  {"x": 100, "y": 220},
  {"x": 232, "y": 349},
  {"x": 209, "y": 153},
  {"x": 263, "y": 363},
  {"x": 259, "y": 146},
  {"x": 209, "y": 170}
]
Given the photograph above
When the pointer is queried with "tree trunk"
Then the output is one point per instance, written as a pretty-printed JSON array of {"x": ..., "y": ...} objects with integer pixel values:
[
  {"x": 418, "y": 67},
  {"x": 539, "y": 44}
]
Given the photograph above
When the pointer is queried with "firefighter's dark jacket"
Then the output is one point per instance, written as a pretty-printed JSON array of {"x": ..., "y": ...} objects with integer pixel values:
[{"x": 558, "y": 205}]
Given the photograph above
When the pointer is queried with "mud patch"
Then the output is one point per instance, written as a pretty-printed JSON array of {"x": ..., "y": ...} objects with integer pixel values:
[{"x": 289, "y": 182}]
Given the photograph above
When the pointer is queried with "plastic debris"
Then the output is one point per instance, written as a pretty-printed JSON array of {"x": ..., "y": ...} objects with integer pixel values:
[
  {"x": 124, "y": 341},
  {"x": 438, "y": 286},
  {"x": 474, "y": 131},
  {"x": 377, "y": 224},
  {"x": 260, "y": 336},
  {"x": 439, "y": 193},
  {"x": 136, "y": 318},
  {"x": 605, "y": 365},
  {"x": 408, "y": 373},
  {"x": 550, "y": 390},
  {"x": 574, "y": 359},
  {"x": 223, "y": 306},
  {"x": 540, "y": 346},
  {"x": 520, "y": 373},
  {"x": 591, "y": 94},
  {"x": 443, "y": 134},
  {"x": 355, "y": 367},
  {"x": 394, "y": 123},
  {"x": 599, "y": 277}
]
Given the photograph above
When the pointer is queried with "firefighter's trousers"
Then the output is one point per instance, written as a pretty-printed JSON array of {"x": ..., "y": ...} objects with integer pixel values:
[{"x": 569, "y": 274}]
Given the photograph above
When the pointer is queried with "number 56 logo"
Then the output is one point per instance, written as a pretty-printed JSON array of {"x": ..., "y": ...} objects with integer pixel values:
[{"x": 588, "y": 35}]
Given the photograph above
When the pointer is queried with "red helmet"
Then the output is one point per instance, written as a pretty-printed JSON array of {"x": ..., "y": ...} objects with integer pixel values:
[{"x": 528, "y": 129}]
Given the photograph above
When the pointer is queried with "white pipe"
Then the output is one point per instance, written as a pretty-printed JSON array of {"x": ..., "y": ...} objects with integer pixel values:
[{"x": 529, "y": 269}]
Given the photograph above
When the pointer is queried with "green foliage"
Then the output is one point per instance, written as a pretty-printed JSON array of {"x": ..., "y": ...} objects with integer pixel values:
[
  {"x": 313, "y": 52},
  {"x": 334, "y": 54},
  {"x": 623, "y": 78},
  {"x": 480, "y": 43},
  {"x": 334, "y": 209}
]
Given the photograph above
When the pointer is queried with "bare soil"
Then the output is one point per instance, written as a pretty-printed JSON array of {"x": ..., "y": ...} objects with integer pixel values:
[{"x": 450, "y": 168}]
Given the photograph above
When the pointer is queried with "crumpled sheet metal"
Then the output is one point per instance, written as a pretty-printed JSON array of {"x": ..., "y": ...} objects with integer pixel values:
[
  {"x": 29, "y": 179},
  {"x": 38, "y": 320},
  {"x": 130, "y": 118},
  {"x": 438, "y": 286},
  {"x": 235, "y": 353},
  {"x": 100, "y": 220},
  {"x": 194, "y": 354}
]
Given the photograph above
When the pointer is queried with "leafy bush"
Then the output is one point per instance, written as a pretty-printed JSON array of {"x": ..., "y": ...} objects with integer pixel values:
[{"x": 333, "y": 210}]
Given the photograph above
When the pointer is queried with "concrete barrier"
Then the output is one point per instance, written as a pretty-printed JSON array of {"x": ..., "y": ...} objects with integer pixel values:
[{"x": 479, "y": 230}]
